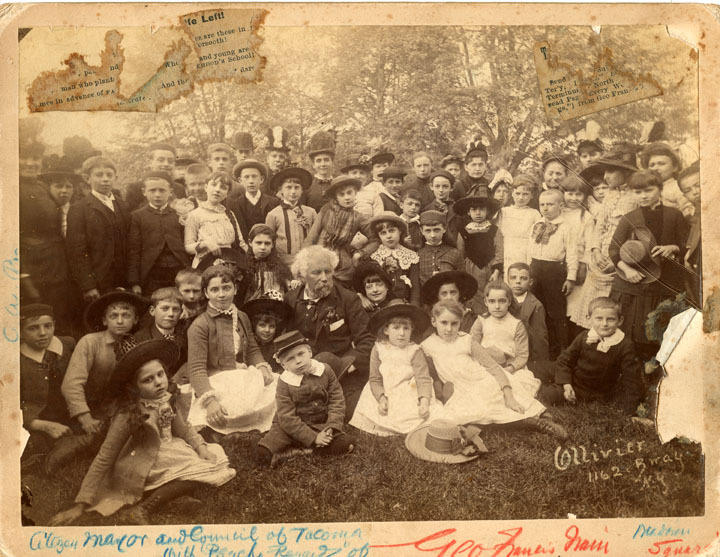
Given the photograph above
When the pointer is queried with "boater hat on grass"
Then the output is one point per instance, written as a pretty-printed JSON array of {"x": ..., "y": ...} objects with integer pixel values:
[
  {"x": 466, "y": 283},
  {"x": 445, "y": 442}
]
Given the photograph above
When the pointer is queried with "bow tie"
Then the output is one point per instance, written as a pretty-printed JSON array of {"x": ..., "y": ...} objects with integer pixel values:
[
  {"x": 542, "y": 231},
  {"x": 169, "y": 336},
  {"x": 224, "y": 312},
  {"x": 296, "y": 209}
]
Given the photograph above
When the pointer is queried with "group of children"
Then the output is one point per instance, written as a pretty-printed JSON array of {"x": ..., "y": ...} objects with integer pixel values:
[{"x": 488, "y": 300}]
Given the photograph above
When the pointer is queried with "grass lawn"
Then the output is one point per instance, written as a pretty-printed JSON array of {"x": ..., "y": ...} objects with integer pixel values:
[{"x": 526, "y": 475}]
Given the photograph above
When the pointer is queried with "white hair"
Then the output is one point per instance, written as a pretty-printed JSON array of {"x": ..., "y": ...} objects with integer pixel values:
[{"x": 312, "y": 253}]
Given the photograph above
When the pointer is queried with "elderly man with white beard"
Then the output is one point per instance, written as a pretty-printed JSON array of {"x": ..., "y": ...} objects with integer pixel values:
[{"x": 333, "y": 319}]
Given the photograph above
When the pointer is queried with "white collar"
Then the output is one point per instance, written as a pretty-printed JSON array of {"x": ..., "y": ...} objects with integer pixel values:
[
  {"x": 605, "y": 344},
  {"x": 158, "y": 208},
  {"x": 520, "y": 299},
  {"x": 102, "y": 197},
  {"x": 253, "y": 198},
  {"x": 416, "y": 218},
  {"x": 557, "y": 220},
  {"x": 294, "y": 379},
  {"x": 37, "y": 355}
]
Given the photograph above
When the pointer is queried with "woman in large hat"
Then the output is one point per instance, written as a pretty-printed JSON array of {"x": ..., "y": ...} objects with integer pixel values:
[{"x": 149, "y": 446}]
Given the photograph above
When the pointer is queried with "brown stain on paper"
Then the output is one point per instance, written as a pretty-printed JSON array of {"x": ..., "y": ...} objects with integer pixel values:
[{"x": 222, "y": 44}]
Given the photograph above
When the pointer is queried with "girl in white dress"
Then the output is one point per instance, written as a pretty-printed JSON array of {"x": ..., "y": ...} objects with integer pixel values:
[
  {"x": 504, "y": 337},
  {"x": 399, "y": 395},
  {"x": 482, "y": 392},
  {"x": 516, "y": 221}
]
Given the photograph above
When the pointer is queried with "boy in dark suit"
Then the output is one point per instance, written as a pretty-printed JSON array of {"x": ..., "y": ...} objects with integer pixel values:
[
  {"x": 160, "y": 157},
  {"x": 322, "y": 156},
  {"x": 252, "y": 206},
  {"x": 156, "y": 249},
  {"x": 97, "y": 232}
]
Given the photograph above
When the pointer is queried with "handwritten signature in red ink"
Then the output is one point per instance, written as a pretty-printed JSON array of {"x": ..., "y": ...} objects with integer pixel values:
[{"x": 443, "y": 543}]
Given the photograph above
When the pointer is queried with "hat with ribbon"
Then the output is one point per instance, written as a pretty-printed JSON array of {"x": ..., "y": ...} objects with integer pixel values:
[
  {"x": 449, "y": 159},
  {"x": 481, "y": 199},
  {"x": 354, "y": 161},
  {"x": 341, "y": 181},
  {"x": 57, "y": 168},
  {"x": 398, "y": 308},
  {"x": 636, "y": 253},
  {"x": 381, "y": 157},
  {"x": 131, "y": 355},
  {"x": 96, "y": 310},
  {"x": 393, "y": 218},
  {"x": 271, "y": 302},
  {"x": 446, "y": 442},
  {"x": 277, "y": 139}
]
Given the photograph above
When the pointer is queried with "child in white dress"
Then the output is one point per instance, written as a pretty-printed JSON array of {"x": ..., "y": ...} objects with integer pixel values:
[
  {"x": 399, "y": 395},
  {"x": 516, "y": 221},
  {"x": 503, "y": 336},
  {"x": 482, "y": 392}
]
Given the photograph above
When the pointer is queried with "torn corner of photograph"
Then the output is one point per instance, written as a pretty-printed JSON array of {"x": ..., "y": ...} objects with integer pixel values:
[
  {"x": 567, "y": 92},
  {"x": 681, "y": 394},
  {"x": 140, "y": 69}
]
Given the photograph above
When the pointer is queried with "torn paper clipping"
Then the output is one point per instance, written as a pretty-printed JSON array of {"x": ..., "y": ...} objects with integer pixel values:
[
  {"x": 207, "y": 45},
  {"x": 147, "y": 135}
]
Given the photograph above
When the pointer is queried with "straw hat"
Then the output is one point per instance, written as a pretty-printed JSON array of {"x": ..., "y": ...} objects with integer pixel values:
[
  {"x": 131, "y": 355},
  {"x": 446, "y": 442},
  {"x": 397, "y": 308},
  {"x": 389, "y": 216},
  {"x": 96, "y": 310},
  {"x": 636, "y": 253}
]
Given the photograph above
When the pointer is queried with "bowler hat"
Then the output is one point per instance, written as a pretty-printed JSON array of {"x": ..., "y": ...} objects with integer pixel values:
[
  {"x": 341, "y": 181},
  {"x": 243, "y": 141},
  {"x": 302, "y": 175},
  {"x": 367, "y": 269},
  {"x": 321, "y": 142},
  {"x": 288, "y": 340},
  {"x": 389, "y": 216},
  {"x": 636, "y": 253},
  {"x": 271, "y": 301},
  {"x": 381, "y": 157},
  {"x": 444, "y": 174},
  {"x": 481, "y": 199},
  {"x": 466, "y": 283},
  {"x": 96, "y": 310},
  {"x": 54, "y": 168},
  {"x": 249, "y": 163},
  {"x": 398, "y": 308},
  {"x": 446, "y": 442},
  {"x": 131, "y": 355},
  {"x": 356, "y": 161}
]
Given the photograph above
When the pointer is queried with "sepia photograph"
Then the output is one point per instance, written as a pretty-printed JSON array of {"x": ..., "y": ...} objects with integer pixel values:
[{"x": 370, "y": 273}]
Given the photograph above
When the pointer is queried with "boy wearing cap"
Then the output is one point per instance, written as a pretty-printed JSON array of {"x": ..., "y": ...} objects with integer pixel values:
[
  {"x": 388, "y": 196},
  {"x": 156, "y": 248},
  {"x": 160, "y": 158},
  {"x": 252, "y": 206},
  {"x": 366, "y": 196},
  {"x": 436, "y": 256},
  {"x": 43, "y": 361},
  {"x": 440, "y": 187},
  {"x": 322, "y": 156},
  {"x": 310, "y": 404},
  {"x": 291, "y": 220},
  {"x": 97, "y": 232}
]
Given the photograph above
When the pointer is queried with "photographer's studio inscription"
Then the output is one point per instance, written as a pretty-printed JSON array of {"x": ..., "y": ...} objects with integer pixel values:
[
  {"x": 566, "y": 93},
  {"x": 207, "y": 45}
]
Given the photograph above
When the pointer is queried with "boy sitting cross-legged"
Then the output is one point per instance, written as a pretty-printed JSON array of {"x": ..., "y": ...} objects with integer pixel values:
[{"x": 310, "y": 404}]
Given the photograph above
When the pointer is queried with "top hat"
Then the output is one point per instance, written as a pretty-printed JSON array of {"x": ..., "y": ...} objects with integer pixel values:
[
  {"x": 389, "y": 216},
  {"x": 461, "y": 206},
  {"x": 398, "y": 308},
  {"x": 444, "y": 174},
  {"x": 356, "y": 161},
  {"x": 382, "y": 157},
  {"x": 277, "y": 139},
  {"x": 131, "y": 355},
  {"x": 636, "y": 253},
  {"x": 321, "y": 142},
  {"x": 446, "y": 442},
  {"x": 249, "y": 163},
  {"x": 302, "y": 175},
  {"x": 272, "y": 302},
  {"x": 340, "y": 182},
  {"x": 96, "y": 310},
  {"x": 288, "y": 340},
  {"x": 243, "y": 141},
  {"x": 466, "y": 283}
]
